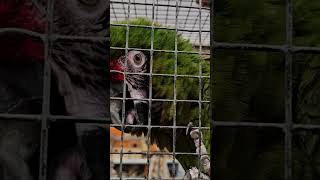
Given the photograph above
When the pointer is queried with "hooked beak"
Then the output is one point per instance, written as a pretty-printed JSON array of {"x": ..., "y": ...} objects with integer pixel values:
[
  {"x": 116, "y": 105},
  {"x": 139, "y": 114},
  {"x": 136, "y": 110},
  {"x": 136, "y": 116},
  {"x": 142, "y": 111}
]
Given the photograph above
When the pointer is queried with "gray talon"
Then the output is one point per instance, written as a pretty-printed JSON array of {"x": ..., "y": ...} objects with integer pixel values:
[
  {"x": 193, "y": 173},
  {"x": 195, "y": 134},
  {"x": 190, "y": 125}
]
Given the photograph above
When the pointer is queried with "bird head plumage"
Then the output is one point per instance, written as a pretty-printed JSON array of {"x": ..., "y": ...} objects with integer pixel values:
[
  {"x": 79, "y": 66},
  {"x": 135, "y": 65},
  {"x": 161, "y": 59}
]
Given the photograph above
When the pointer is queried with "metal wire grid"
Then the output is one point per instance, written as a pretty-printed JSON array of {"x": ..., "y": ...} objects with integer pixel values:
[
  {"x": 154, "y": 4},
  {"x": 289, "y": 50},
  {"x": 45, "y": 117},
  {"x": 188, "y": 16}
]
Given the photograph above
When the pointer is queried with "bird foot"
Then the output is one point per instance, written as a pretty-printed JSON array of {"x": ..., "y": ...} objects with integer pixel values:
[{"x": 194, "y": 173}]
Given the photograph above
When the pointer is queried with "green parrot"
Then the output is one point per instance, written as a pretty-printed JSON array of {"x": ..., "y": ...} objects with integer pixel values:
[
  {"x": 249, "y": 86},
  {"x": 162, "y": 67}
]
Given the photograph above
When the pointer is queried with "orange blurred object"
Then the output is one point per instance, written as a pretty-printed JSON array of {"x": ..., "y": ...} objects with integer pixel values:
[
  {"x": 115, "y": 131},
  {"x": 115, "y": 141}
]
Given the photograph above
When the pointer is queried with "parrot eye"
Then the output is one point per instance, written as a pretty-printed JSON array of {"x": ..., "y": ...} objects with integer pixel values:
[
  {"x": 89, "y": 2},
  {"x": 138, "y": 59}
]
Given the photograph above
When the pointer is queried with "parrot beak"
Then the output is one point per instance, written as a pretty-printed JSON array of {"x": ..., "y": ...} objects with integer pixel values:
[
  {"x": 139, "y": 114},
  {"x": 141, "y": 108},
  {"x": 136, "y": 110},
  {"x": 116, "y": 105},
  {"x": 136, "y": 116}
]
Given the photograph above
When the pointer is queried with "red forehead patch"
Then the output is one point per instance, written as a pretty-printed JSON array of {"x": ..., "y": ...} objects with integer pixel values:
[
  {"x": 116, "y": 76},
  {"x": 21, "y": 14},
  {"x": 19, "y": 46}
]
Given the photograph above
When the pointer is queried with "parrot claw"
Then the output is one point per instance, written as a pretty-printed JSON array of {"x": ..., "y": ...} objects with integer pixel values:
[
  {"x": 193, "y": 173},
  {"x": 190, "y": 125}
]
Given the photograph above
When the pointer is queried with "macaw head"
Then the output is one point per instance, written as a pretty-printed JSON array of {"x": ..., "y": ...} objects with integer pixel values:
[
  {"x": 79, "y": 66},
  {"x": 24, "y": 23},
  {"x": 17, "y": 45},
  {"x": 136, "y": 89}
]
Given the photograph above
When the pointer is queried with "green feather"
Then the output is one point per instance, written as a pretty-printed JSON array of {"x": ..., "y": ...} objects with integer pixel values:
[
  {"x": 187, "y": 88},
  {"x": 249, "y": 86}
]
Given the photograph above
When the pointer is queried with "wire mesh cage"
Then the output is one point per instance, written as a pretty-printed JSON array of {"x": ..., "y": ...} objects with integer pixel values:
[
  {"x": 38, "y": 124},
  {"x": 275, "y": 33},
  {"x": 181, "y": 20},
  {"x": 175, "y": 38}
]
